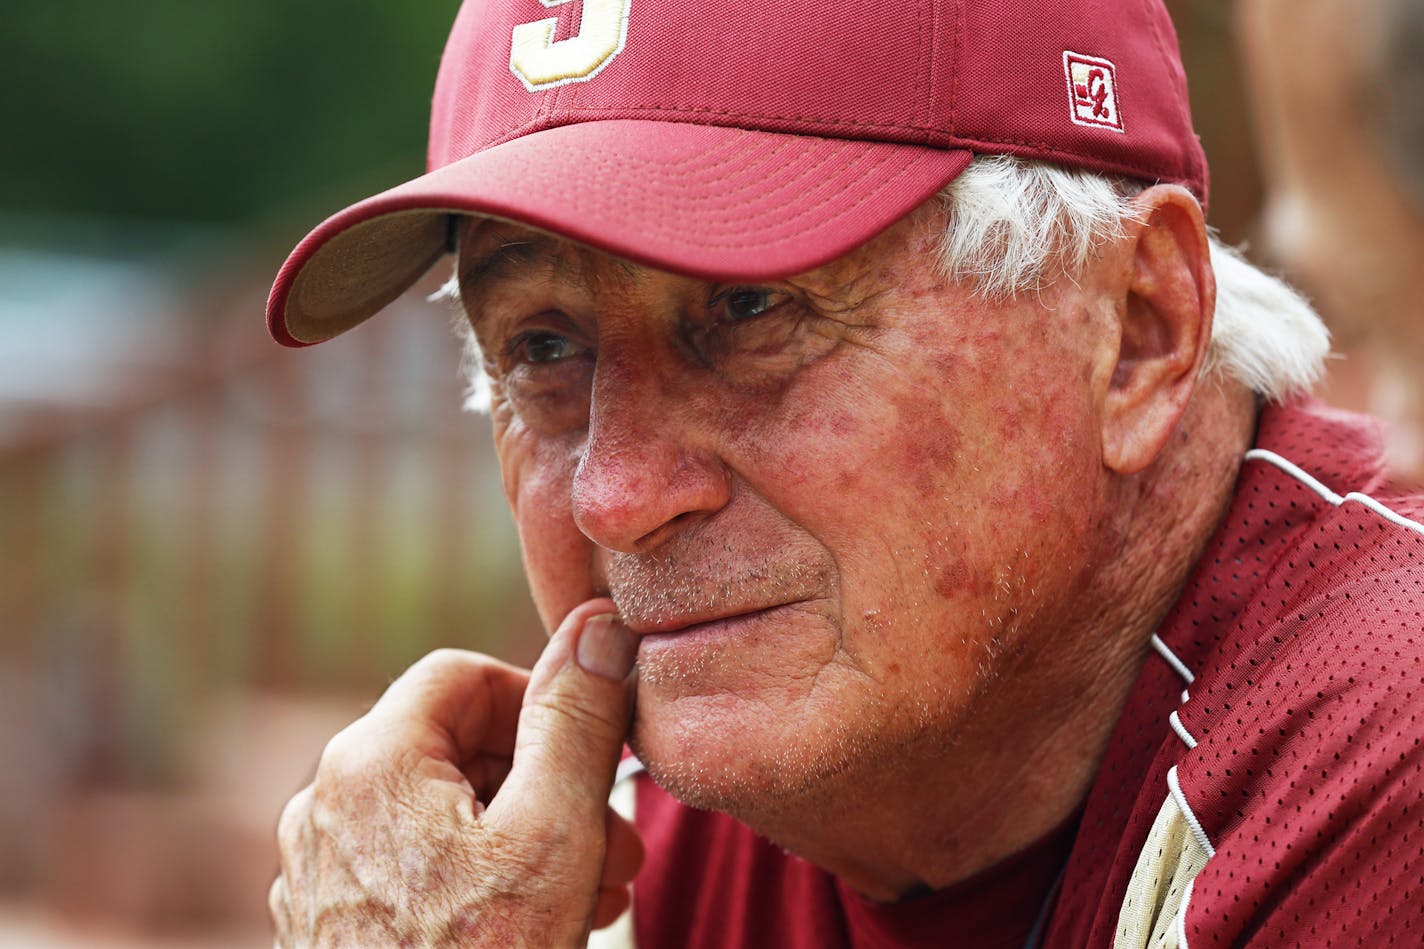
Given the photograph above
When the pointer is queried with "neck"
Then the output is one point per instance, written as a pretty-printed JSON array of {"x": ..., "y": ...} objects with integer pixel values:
[{"x": 1026, "y": 755}]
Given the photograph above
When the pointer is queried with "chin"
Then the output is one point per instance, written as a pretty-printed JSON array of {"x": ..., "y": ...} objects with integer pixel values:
[{"x": 748, "y": 762}]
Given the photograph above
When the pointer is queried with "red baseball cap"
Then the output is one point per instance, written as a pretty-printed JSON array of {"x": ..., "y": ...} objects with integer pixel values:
[{"x": 729, "y": 140}]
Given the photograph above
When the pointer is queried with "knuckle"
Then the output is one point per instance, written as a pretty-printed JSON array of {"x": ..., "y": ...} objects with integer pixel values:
[
  {"x": 356, "y": 761},
  {"x": 277, "y": 904},
  {"x": 291, "y": 826},
  {"x": 448, "y": 655},
  {"x": 343, "y": 753},
  {"x": 444, "y": 661}
]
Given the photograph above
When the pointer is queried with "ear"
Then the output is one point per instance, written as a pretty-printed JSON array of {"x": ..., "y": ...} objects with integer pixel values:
[{"x": 1165, "y": 326}]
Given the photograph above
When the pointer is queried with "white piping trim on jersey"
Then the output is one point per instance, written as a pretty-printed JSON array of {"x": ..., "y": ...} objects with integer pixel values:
[
  {"x": 1336, "y": 500},
  {"x": 1399, "y": 520},
  {"x": 1176, "y": 788},
  {"x": 628, "y": 767},
  {"x": 1178, "y": 666},
  {"x": 1187, "y": 739},
  {"x": 1182, "y": 913},
  {"x": 1181, "y": 669}
]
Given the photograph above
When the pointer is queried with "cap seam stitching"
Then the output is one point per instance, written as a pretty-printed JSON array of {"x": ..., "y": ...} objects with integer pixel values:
[
  {"x": 736, "y": 213},
  {"x": 956, "y": 68},
  {"x": 531, "y": 125},
  {"x": 927, "y": 77},
  {"x": 732, "y": 154},
  {"x": 863, "y": 199}
]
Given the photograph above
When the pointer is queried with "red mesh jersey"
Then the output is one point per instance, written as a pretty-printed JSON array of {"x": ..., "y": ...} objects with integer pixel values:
[{"x": 1278, "y": 721}]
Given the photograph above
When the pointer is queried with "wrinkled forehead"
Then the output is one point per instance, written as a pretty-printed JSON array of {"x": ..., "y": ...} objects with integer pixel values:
[
  {"x": 491, "y": 249},
  {"x": 508, "y": 266},
  {"x": 494, "y": 252}
]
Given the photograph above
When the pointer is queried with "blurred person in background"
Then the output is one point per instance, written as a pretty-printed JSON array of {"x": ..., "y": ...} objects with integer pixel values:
[
  {"x": 1338, "y": 89},
  {"x": 906, "y": 474}
]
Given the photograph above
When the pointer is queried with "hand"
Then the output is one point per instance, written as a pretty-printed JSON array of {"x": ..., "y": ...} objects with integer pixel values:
[{"x": 470, "y": 805}]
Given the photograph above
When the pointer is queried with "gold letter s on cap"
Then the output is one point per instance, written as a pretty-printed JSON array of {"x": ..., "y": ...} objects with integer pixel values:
[{"x": 540, "y": 63}]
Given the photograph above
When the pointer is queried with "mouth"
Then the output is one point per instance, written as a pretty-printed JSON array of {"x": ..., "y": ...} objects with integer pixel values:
[{"x": 680, "y": 627}]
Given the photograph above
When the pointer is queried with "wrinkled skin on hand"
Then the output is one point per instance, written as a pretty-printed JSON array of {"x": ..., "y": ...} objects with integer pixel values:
[{"x": 469, "y": 806}]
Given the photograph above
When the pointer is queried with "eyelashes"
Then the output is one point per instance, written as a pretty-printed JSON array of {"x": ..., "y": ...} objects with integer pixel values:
[
  {"x": 726, "y": 308},
  {"x": 741, "y": 304},
  {"x": 541, "y": 347}
]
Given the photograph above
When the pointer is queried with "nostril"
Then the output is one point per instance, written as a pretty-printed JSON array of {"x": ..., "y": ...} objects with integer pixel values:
[{"x": 677, "y": 525}]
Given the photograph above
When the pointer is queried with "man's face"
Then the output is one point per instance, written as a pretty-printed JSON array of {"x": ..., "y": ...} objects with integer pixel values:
[{"x": 833, "y": 507}]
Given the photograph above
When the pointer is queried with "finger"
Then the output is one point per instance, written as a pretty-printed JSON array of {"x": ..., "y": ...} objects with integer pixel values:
[
  {"x": 452, "y": 705},
  {"x": 624, "y": 856},
  {"x": 576, "y": 713},
  {"x": 613, "y": 901},
  {"x": 292, "y": 829},
  {"x": 277, "y": 906}
]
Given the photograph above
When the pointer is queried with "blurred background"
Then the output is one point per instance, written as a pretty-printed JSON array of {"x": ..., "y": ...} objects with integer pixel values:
[{"x": 214, "y": 552}]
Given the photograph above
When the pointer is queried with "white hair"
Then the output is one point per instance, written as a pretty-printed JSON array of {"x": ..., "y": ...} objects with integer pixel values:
[
  {"x": 1016, "y": 225},
  {"x": 472, "y": 358}
]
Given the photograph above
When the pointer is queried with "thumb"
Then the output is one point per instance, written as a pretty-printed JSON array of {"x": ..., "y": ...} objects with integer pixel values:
[{"x": 576, "y": 715}]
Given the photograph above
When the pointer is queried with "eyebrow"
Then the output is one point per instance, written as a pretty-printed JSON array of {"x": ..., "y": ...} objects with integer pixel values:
[
  {"x": 519, "y": 256},
  {"x": 510, "y": 259}
]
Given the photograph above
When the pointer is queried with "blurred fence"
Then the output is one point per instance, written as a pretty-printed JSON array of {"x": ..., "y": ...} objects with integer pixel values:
[
  {"x": 239, "y": 518},
  {"x": 259, "y": 517}
]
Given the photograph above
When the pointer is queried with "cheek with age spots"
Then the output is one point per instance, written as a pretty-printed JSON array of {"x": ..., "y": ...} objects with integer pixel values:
[{"x": 955, "y": 579}]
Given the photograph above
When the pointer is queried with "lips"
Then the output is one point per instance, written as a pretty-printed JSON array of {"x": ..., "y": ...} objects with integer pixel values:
[
  {"x": 697, "y": 622},
  {"x": 730, "y": 653},
  {"x": 698, "y": 582}
]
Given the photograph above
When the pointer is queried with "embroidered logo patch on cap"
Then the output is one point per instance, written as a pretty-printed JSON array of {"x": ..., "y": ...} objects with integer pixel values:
[{"x": 1092, "y": 91}]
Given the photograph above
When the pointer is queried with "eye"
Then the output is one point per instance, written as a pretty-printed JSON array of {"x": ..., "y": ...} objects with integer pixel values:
[
  {"x": 542, "y": 347},
  {"x": 746, "y": 303}
]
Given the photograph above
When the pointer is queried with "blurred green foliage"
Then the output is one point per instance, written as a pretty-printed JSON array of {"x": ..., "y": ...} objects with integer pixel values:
[{"x": 217, "y": 111}]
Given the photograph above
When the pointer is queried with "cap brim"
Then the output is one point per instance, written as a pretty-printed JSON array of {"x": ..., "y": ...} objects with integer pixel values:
[{"x": 705, "y": 201}]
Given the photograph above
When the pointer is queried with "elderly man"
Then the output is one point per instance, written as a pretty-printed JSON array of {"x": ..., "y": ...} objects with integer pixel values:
[{"x": 906, "y": 476}]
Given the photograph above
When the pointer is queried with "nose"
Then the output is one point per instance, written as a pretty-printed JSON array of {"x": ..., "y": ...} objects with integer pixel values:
[{"x": 649, "y": 467}]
